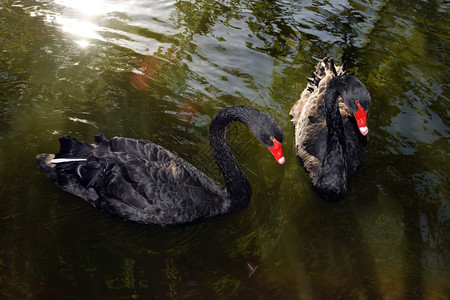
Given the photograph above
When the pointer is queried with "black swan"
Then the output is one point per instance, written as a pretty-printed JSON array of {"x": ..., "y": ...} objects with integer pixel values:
[
  {"x": 330, "y": 128},
  {"x": 143, "y": 182}
]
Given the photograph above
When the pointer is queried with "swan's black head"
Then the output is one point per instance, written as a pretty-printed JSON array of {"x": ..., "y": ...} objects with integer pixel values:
[
  {"x": 272, "y": 137},
  {"x": 267, "y": 131},
  {"x": 357, "y": 98},
  {"x": 263, "y": 127}
]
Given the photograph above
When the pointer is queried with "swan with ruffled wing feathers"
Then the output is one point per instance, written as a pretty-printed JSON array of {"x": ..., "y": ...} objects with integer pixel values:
[
  {"x": 330, "y": 122},
  {"x": 141, "y": 181}
]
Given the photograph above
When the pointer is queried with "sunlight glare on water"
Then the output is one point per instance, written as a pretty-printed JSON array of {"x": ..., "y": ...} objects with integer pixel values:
[
  {"x": 82, "y": 31},
  {"x": 78, "y": 19},
  {"x": 87, "y": 22},
  {"x": 90, "y": 7}
]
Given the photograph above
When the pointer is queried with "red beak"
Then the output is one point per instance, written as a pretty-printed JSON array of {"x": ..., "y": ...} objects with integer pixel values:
[
  {"x": 277, "y": 151},
  {"x": 361, "y": 119}
]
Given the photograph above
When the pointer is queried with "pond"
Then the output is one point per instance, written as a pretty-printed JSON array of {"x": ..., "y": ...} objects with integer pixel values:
[{"x": 160, "y": 70}]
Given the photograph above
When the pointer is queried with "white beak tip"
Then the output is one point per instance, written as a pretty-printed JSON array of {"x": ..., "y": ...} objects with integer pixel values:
[{"x": 364, "y": 130}]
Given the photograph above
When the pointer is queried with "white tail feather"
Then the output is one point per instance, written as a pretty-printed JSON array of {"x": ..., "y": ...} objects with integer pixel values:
[{"x": 64, "y": 160}]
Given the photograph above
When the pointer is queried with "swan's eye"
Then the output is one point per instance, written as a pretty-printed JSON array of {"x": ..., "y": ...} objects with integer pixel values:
[
  {"x": 273, "y": 140},
  {"x": 358, "y": 105}
]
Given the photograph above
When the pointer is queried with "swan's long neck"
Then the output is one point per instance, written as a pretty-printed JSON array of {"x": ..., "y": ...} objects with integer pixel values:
[
  {"x": 334, "y": 164},
  {"x": 237, "y": 184}
]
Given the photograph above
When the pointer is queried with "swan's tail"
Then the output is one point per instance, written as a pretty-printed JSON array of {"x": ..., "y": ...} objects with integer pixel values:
[
  {"x": 324, "y": 67},
  {"x": 71, "y": 148},
  {"x": 66, "y": 164}
]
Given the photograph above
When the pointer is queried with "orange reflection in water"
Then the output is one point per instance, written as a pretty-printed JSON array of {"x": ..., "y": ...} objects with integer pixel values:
[
  {"x": 147, "y": 69},
  {"x": 186, "y": 112}
]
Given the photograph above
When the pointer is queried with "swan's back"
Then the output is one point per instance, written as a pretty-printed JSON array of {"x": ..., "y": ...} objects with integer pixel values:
[
  {"x": 136, "y": 180},
  {"x": 308, "y": 119}
]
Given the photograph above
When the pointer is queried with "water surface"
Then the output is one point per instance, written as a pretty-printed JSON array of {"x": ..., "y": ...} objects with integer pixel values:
[{"x": 160, "y": 70}]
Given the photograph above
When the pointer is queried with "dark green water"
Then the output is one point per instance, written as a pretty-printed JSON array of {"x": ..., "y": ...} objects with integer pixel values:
[{"x": 160, "y": 70}]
